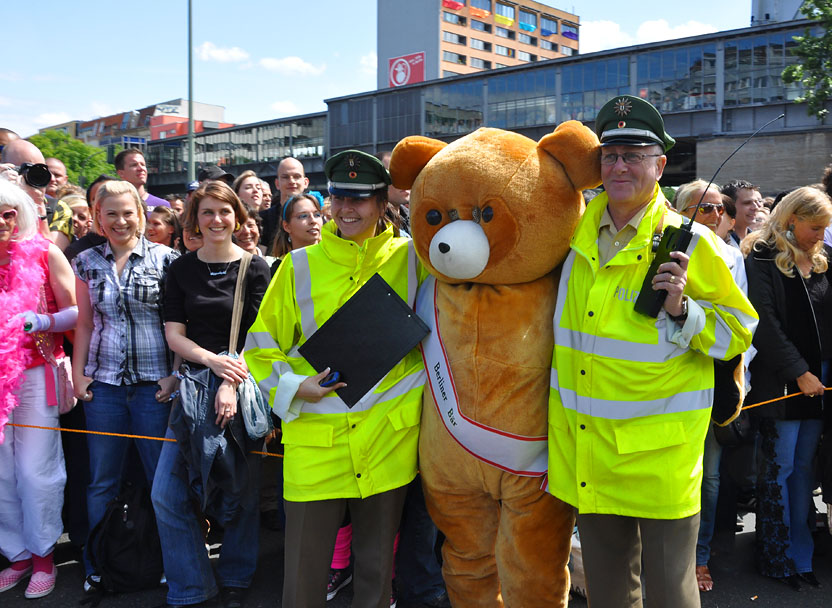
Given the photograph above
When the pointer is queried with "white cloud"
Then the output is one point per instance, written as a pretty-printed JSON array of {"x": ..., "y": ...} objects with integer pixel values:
[
  {"x": 285, "y": 108},
  {"x": 101, "y": 109},
  {"x": 604, "y": 35},
  {"x": 51, "y": 118},
  {"x": 292, "y": 66},
  {"x": 208, "y": 51},
  {"x": 660, "y": 29},
  {"x": 369, "y": 63}
]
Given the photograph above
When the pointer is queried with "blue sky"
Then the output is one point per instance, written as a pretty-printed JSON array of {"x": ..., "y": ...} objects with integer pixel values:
[{"x": 78, "y": 60}]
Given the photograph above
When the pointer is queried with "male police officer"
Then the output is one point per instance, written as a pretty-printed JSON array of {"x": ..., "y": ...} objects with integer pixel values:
[{"x": 631, "y": 395}]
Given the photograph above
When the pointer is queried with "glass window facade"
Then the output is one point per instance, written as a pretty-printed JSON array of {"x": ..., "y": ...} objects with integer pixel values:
[
  {"x": 504, "y": 33},
  {"x": 482, "y": 64},
  {"x": 453, "y": 18},
  {"x": 481, "y": 4},
  {"x": 569, "y": 31},
  {"x": 549, "y": 24},
  {"x": 453, "y": 108},
  {"x": 453, "y": 57},
  {"x": 753, "y": 68},
  {"x": 679, "y": 79},
  {"x": 480, "y": 26},
  {"x": 528, "y": 18},
  {"x": 480, "y": 45},
  {"x": 548, "y": 45},
  {"x": 586, "y": 86},
  {"x": 351, "y": 123},
  {"x": 526, "y": 39},
  {"x": 398, "y": 116},
  {"x": 524, "y": 56},
  {"x": 522, "y": 99},
  {"x": 503, "y": 50},
  {"x": 453, "y": 38},
  {"x": 504, "y": 10}
]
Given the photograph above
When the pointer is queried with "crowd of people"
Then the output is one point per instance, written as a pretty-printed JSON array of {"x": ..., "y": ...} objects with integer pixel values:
[{"x": 130, "y": 299}]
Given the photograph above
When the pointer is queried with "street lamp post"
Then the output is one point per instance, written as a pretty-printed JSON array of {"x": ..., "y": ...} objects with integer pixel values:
[{"x": 191, "y": 164}]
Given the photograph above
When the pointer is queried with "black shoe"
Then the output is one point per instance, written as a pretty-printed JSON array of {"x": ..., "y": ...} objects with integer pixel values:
[
  {"x": 338, "y": 579},
  {"x": 792, "y": 581},
  {"x": 440, "y": 601},
  {"x": 271, "y": 520},
  {"x": 232, "y": 597},
  {"x": 810, "y": 578}
]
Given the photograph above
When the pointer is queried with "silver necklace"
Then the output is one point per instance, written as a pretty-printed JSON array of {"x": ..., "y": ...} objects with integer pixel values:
[{"x": 217, "y": 273}]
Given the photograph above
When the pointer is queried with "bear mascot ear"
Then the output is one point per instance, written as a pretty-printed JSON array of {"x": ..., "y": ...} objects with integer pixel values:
[
  {"x": 409, "y": 158},
  {"x": 577, "y": 148}
]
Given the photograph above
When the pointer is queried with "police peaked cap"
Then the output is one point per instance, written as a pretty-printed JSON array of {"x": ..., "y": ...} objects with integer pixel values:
[
  {"x": 356, "y": 174},
  {"x": 626, "y": 120}
]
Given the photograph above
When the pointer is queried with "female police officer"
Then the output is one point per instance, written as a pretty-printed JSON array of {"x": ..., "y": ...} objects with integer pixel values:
[{"x": 339, "y": 458}]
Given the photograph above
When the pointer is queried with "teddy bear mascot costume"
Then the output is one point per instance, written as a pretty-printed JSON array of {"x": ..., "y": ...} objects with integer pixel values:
[{"x": 491, "y": 216}]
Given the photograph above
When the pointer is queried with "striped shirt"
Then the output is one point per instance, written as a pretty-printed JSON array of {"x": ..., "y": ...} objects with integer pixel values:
[{"x": 127, "y": 344}]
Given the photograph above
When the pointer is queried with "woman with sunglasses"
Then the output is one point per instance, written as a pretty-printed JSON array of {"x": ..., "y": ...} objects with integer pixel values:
[
  {"x": 37, "y": 301},
  {"x": 709, "y": 213}
]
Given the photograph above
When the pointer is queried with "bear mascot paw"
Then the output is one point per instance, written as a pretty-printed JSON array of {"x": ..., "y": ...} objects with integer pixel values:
[{"x": 492, "y": 215}]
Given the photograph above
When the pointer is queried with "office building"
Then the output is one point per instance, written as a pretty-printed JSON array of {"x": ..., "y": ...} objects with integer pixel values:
[{"x": 430, "y": 39}]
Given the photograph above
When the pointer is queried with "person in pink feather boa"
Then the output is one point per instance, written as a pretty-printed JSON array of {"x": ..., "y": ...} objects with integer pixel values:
[{"x": 37, "y": 303}]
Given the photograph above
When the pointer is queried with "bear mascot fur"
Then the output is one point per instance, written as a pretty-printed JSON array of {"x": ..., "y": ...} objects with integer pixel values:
[{"x": 492, "y": 215}]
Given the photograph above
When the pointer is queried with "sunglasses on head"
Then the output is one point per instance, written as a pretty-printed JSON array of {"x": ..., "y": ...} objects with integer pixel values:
[{"x": 9, "y": 215}]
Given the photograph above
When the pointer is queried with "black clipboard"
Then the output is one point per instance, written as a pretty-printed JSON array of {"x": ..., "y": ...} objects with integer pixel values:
[{"x": 365, "y": 338}]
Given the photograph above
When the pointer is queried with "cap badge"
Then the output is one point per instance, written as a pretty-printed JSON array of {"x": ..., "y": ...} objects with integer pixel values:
[
  {"x": 621, "y": 124},
  {"x": 353, "y": 174},
  {"x": 353, "y": 162},
  {"x": 623, "y": 106}
]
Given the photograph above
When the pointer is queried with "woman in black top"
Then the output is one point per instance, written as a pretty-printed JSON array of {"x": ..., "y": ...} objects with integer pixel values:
[
  {"x": 198, "y": 309},
  {"x": 788, "y": 285}
]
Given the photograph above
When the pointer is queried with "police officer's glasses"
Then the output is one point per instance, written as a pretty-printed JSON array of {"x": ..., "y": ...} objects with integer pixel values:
[{"x": 629, "y": 158}]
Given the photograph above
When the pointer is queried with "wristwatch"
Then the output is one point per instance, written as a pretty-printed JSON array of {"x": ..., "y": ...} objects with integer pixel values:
[{"x": 683, "y": 316}]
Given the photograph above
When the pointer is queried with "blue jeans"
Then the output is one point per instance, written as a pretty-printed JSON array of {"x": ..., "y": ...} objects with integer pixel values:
[
  {"x": 131, "y": 409},
  {"x": 418, "y": 573},
  {"x": 187, "y": 567},
  {"x": 784, "y": 496},
  {"x": 710, "y": 493}
]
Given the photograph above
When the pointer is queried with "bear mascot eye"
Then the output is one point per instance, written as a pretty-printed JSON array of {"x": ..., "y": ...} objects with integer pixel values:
[
  {"x": 433, "y": 217},
  {"x": 487, "y": 214}
]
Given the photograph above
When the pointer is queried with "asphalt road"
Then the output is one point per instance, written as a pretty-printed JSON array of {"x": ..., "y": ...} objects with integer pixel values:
[{"x": 736, "y": 584}]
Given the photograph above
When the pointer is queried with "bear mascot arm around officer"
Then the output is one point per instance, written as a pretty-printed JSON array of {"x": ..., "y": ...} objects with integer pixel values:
[{"x": 492, "y": 215}]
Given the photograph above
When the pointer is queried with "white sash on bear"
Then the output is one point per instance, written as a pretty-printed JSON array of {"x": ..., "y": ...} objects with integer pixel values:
[{"x": 516, "y": 454}]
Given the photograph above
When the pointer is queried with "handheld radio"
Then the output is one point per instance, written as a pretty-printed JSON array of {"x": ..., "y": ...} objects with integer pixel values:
[{"x": 650, "y": 301}]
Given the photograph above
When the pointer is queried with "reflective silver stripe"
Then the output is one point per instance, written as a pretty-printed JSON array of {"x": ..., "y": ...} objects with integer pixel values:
[
  {"x": 303, "y": 292},
  {"x": 618, "y": 349},
  {"x": 260, "y": 339},
  {"x": 625, "y": 410},
  {"x": 599, "y": 345},
  {"x": 412, "y": 274},
  {"x": 722, "y": 332},
  {"x": 334, "y": 405},
  {"x": 273, "y": 380}
]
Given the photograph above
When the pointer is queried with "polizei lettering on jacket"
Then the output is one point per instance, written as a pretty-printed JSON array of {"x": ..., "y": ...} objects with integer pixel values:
[
  {"x": 627, "y": 295},
  {"x": 516, "y": 454}
]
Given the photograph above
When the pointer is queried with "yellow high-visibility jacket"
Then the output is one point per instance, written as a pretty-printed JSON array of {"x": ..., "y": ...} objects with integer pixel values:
[
  {"x": 332, "y": 451},
  {"x": 630, "y": 396}
]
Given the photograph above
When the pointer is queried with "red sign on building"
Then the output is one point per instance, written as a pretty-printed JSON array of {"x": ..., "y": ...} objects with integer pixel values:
[{"x": 406, "y": 69}]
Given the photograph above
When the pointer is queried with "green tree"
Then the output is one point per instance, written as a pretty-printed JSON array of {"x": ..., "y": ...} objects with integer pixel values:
[
  {"x": 81, "y": 160},
  {"x": 814, "y": 67}
]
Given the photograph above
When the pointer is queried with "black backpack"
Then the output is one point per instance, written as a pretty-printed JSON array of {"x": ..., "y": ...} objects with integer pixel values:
[{"x": 124, "y": 547}]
